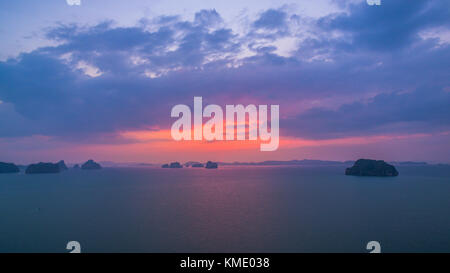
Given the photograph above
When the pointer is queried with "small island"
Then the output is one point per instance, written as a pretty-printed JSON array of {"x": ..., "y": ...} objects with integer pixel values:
[
  {"x": 91, "y": 165},
  {"x": 192, "y": 164},
  {"x": 76, "y": 166},
  {"x": 62, "y": 165},
  {"x": 8, "y": 168},
  {"x": 173, "y": 165},
  {"x": 177, "y": 165},
  {"x": 211, "y": 165},
  {"x": 42, "y": 167},
  {"x": 370, "y": 167}
]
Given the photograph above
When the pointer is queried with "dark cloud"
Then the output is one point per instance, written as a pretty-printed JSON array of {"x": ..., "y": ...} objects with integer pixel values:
[
  {"x": 271, "y": 19},
  {"x": 424, "y": 110},
  {"x": 393, "y": 25},
  {"x": 271, "y": 24},
  {"x": 208, "y": 18}
]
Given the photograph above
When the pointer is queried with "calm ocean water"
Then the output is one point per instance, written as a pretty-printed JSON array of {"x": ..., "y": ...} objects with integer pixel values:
[{"x": 231, "y": 209}]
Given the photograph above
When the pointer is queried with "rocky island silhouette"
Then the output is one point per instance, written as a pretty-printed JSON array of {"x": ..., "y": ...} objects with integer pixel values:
[
  {"x": 177, "y": 165},
  {"x": 47, "y": 167},
  {"x": 8, "y": 168},
  {"x": 91, "y": 165},
  {"x": 370, "y": 167},
  {"x": 43, "y": 167}
]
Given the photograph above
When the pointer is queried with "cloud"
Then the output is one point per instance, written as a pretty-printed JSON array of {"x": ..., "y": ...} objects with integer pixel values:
[
  {"x": 271, "y": 19},
  {"x": 394, "y": 24},
  {"x": 424, "y": 110},
  {"x": 208, "y": 18},
  {"x": 344, "y": 78}
]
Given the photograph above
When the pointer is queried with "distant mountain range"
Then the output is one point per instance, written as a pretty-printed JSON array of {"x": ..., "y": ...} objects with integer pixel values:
[
  {"x": 289, "y": 162},
  {"x": 309, "y": 162}
]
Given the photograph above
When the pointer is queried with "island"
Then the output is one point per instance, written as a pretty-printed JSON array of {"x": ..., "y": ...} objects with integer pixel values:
[
  {"x": 91, "y": 165},
  {"x": 191, "y": 164},
  {"x": 197, "y": 165},
  {"x": 76, "y": 166},
  {"x": 62, "y": 165},
  {"x": 211, "y": 165},
  {"x": 370, "y": 167},
  {"x": 8, "y": 168},
  {"x": 175, "y": 165},
  {"x": 42, "y": 167}
]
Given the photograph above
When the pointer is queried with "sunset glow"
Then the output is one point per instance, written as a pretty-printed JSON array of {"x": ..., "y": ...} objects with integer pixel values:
[{"x": 103, "y": 89}]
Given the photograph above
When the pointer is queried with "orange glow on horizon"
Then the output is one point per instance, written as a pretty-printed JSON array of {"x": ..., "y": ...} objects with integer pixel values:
[
  {"x": 164, "y": 139},
  {"x": 157, "y": 146}
]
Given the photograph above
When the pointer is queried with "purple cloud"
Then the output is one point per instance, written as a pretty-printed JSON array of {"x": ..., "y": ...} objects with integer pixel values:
[{"x": 382, "y": 78}]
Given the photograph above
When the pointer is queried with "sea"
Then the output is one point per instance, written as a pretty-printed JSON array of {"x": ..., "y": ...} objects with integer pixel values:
[{"x": 231, "y": 209}]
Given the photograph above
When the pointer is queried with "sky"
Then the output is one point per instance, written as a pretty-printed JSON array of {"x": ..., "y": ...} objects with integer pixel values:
[{"x": 99, "y": 79}]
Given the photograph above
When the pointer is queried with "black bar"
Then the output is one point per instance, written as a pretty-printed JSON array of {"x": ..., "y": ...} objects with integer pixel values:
[{"x": 236, "y": 262}]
